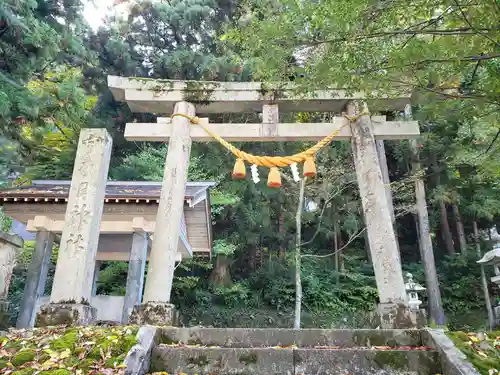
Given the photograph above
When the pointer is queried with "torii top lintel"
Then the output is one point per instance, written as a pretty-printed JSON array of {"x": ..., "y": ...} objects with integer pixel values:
[{"x": 160, "y": 96}]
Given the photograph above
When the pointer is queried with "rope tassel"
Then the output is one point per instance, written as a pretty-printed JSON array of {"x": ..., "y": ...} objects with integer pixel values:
[
  {"x": 239, "y": 170},
  {"x": 274, "y": 178},
  {"x": 309, "y": 167}
]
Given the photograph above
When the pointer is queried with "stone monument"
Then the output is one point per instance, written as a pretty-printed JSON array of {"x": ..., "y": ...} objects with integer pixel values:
[{"x": 10, "y": 247}]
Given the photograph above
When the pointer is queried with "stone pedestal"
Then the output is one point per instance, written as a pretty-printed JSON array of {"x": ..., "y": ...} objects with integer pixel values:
[
  {"x": 398, "y": 316},
  {"x": 68, "y": 314},
  {"x": 155, "y": 314}
]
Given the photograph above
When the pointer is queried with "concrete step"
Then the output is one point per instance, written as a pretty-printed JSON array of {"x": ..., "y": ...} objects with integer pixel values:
[
  {"x": 190, "y": 360},
  {"x": 304, "y": 338}
]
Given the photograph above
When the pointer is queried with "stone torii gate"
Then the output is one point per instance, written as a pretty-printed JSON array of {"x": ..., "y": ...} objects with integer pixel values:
[{"x": 180, "y": 97}]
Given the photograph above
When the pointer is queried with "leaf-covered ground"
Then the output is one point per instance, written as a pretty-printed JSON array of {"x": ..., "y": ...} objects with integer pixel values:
[
  {"x": 66, "y": 351},
  {"x": 482, "y": 349}
]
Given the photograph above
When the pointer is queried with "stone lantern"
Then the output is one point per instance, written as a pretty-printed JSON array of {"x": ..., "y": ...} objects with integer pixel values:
[
  {"x": 492, "y": 257},
  {"x": 412, "y": 290}
]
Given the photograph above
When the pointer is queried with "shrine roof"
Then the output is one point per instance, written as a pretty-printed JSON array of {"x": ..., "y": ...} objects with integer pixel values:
[
  {"x": 160, "y": 95},
  {"x": 116, "y": 191}
]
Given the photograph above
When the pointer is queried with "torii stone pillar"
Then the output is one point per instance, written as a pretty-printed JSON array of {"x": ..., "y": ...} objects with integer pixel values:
[
  {"x": 383, "y": 243},
  {"x": 73, "y": 279},
  {"x": 135, "y": 275},
  {"x": 156, "y": 307},
  {"x": 35, "y": 279}
]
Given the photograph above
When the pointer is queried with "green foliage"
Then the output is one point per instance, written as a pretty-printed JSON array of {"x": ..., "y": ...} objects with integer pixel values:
[
  {"x": 35, "y": 36},
  {"x": 222, "y": 247},
  {"x": 238, "y": 294},
  {"x": 462, "y": 294},
  {"x": 5, "y": 221}
]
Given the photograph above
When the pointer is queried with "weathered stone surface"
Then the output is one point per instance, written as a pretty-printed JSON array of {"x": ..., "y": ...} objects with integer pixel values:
[
  {"x": 78, "y": 246},
  {"x": 453, "y": 361},
  {"x": 135, "y": 274},
  {"x": 170, "y": 209},
  {"x": 9, "y": 246},
  {"x": 292, "y": 361},
  {"x": 159, "y": 314},
  {"x": 365, "y": 362},
  {"x": 398, "y": 316},
  {"x": 4, "y": 315},
  {"x": 222, "y": 361},
  {"x": 139, "y": 356},
  {"x": 383, "y": 243},
  {"x": 12, "y": 239},
  {"x": 75, "y": 314},
  {"x": 306, "y": 338}
]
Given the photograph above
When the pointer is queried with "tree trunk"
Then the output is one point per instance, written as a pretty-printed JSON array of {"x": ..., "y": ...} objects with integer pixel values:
[
  {"x": 281, "y": 231},
  {"x": 460, "y": 229},
  {"x": 335, "y": 249},
  {"x": 487, "y": 300},
  {"x": 436, "y": 312},
  {"x": 340, "y": 243},
  {"x": 298, "y": 241},
  {"x": 221, "y": 275},
  {"x": 445, "y": 229}
]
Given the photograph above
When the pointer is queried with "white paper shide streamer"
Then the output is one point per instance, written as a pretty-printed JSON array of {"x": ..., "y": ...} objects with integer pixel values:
[
  {"x": 255, "y": 174},
  {"x": 295, "y": 172}
]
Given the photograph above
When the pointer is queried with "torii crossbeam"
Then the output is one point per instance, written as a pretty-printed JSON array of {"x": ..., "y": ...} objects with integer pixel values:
[{"x": 181, "y": 97}]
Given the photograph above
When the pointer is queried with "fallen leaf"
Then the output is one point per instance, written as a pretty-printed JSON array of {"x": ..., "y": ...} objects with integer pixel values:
[{"x": 482, "y": 354}]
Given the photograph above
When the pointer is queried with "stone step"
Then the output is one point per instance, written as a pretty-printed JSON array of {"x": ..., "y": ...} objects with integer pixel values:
[
  {"x": 292, "y": 361},
  {"x": 304, "y": 338}
]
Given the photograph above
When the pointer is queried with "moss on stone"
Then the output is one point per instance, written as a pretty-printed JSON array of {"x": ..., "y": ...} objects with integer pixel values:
[
  {"x": 167, "y": 340},
  {"x": 58, "y": 371},
  {"x": 199, "y": 92},
  {"x": 369, "y": 338},
  {"x": 200, "y": 361},
  {"x": 67, "y": 341},
  {"x": 489, "y": 359},
  {"x": 80, "y": 341},
  {"x": 393, "y": 359},
  {"x": 23, "y": 356},
  {"x": 248, "y": 358},
  {"x": 24, "y": 371},
  {"x": 195, "y": 341},
  {"x": 416, "y": 336}
]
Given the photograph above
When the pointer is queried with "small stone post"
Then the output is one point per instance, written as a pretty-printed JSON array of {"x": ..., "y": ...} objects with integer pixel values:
[
  {"x": 36, "y": 278},
  {"x": 156, "y": 308},
  {"x": 10, "y": 246},
  {"x": 72, "y": 289},
  {"x": 135, "y": 275},
  {"x": 383, "y": 246}
]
